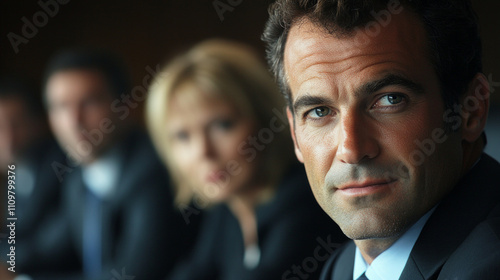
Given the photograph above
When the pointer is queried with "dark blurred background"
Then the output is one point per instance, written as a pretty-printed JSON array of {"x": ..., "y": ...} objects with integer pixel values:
[{"x": 145, "y": 33}]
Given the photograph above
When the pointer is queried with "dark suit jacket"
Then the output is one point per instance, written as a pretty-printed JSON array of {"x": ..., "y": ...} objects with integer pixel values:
[
  {"x": 142, "y": 233},
  {"x": 38, "y": 213},
  {"x": 289, "y": 227},
  {"x": 461, "y": 239}
]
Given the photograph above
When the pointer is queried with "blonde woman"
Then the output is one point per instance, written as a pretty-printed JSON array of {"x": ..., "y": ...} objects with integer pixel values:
[{"x": 217, "y": 119}]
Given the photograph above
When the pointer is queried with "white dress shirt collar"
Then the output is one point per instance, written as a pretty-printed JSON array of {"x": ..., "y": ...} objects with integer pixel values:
[
  {"x": 101, "y": 176},
  {"x": 390, "y": 264}
]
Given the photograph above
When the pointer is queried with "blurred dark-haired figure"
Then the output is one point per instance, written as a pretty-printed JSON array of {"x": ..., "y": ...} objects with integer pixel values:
[
  {"x": 22, "y": 119},
  {"x": 28, "y": 149},
  {"x": 216, "y": 118},
  {"x": 116, "y": 199}
]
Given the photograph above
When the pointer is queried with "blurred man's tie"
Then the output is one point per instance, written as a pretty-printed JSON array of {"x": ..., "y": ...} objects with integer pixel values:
[{"x": 92, "y": 235}]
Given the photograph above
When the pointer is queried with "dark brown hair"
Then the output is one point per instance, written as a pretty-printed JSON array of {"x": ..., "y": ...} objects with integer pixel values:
[
  {"x": 110, "y": 66},
  {"x": 451, "y": 25}
]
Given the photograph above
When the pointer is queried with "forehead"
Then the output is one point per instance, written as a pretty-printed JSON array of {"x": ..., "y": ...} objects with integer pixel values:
[
  {"x": 189, "y": 95},
  {"x": 76, "y": 84},
  {"x": 399, "y": 46},
  {"x": 188, "y": 102}
]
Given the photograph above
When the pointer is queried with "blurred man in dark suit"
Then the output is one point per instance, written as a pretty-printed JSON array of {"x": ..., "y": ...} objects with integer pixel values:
[
  {"x": 26, "y": 146},
  {"x": 116, "y": 199},
  {"x": 387, "y": 106}
]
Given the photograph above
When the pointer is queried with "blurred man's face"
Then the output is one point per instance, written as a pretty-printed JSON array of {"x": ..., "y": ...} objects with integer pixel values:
[
  {"x": 360, "y": 112},
  {"x": 79, "y": 103},
  {"x": 18, "y": 129}
]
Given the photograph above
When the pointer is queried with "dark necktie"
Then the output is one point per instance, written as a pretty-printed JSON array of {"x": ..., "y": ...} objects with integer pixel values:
[
  {"x": 363, "y": 277},
  {"x": 92, "y": 236}
]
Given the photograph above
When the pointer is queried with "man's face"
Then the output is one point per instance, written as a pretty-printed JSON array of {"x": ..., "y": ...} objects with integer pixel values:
[
  {"x": 79, "y": 104},
  {"x": 18, "y": 129},
  {"x": 359, "y": 112}
]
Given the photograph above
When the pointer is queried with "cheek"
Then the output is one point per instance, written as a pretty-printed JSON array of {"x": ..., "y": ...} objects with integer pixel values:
[
  {"x": 4, "y": 140},
  {"x": 59, "y": 123},
  {"x": 239, "y": 170},
  {"x": 227, "y": 147},
  {"x": 24, "y": 134},
  {"x": 187, "y": 167},
  {"x": 183, "y": 159},
  {"x": 416, "y": 145},
  {"x": 227, "y": 144},
  {"x": 318, "y": 151},
  {"x": 95, "y": 116}
]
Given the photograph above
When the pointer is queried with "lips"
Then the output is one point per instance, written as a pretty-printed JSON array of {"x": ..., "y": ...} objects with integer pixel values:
[
  {"x": 366, "y": 187},
  {"x": 215, "y": 176}
]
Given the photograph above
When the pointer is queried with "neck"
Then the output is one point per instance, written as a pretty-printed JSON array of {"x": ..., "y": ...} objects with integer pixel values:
[
  {"x": 243, "y": 208},
  {"x": 100, "y": 149},
  {"x": 371, "y": 248},
  {"x": 244, "y": 211},
  {"x": 471, "y": 152}
]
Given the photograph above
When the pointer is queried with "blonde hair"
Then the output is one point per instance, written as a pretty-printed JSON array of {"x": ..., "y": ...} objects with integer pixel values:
[{"x": 234, "y": 72}]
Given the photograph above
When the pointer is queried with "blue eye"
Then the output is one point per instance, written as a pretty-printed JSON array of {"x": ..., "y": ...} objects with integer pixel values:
[
  {"x": 319, "y": 112},
  {"x": 391, "y": 99},
  {"x": 224, "y": 124},
  {"x": 181, "y": 136}
]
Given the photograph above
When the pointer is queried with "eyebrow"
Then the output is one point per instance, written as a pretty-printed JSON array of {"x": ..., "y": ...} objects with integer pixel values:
[
  {"x": 308, "y": 100},
  {"x": 389, "y": 80},
  {"x": 366, "y": 89}
]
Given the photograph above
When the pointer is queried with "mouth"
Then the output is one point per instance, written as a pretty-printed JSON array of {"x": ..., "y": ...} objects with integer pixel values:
[
  {"x": 215, "y": 176},
  {"x": 366, "y": 187}
]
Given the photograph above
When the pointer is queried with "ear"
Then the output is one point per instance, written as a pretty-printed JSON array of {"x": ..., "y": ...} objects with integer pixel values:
[
  {"x": 291, "y": 121},
  {"x": 475, "y": 104}
]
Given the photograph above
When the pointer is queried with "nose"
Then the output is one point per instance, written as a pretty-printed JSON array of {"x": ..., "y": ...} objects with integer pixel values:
[
  {"x": 204, "y": 147},
  {"x": 357, "y": 140},
  {"x": 76, "y": 117}
]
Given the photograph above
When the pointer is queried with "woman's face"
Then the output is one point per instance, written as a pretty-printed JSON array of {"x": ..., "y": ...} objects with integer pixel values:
[{"x": 207, "y": 134}]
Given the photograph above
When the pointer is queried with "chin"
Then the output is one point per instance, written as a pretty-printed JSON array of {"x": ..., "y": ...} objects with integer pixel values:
[
  {"x": 371, "y": 225},
  {"x": 79, "y": 159},
  {"x": 378, "y": 233},
  {"x": 216, "y": 197}
]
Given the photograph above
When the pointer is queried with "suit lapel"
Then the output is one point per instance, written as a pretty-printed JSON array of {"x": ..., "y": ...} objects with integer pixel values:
[
  {"x": 340, "y": 266},
  {"x": 411, "y": 271},
  {"x": 129, "y": 166},
  {"x": 344, "y": 266},
  {"x": 455, "y": 217}
]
